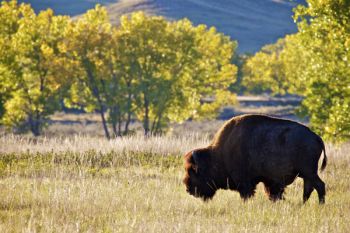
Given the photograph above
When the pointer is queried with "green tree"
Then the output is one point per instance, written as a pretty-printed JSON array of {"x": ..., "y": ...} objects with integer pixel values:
[
  {"x": 89, "y": 46},
  {"x": 213, "y": 72},
  {"x": 10, "y": 13},
  {"x": 37, "y": 78},
  {"x": 324, "y": 35},
  {"x": 313, "y": 63},
  {"x": 172, "y": 67},
  {"x": 156, "y": 70},
  {"x": 240, "y": 60},
  {"x": 265, "y": 72}
]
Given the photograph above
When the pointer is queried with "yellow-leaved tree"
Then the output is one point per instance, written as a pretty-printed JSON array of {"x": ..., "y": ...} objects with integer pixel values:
[
  {"x": 174, "y": 67},
  {"x": 148, "y": 67},
  {"x": 36, "y": 82},
  {"x": 89, "y": 46},
  {"x": 313, "y": 63}
]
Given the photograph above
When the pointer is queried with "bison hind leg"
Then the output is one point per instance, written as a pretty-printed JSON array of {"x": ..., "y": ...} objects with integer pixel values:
[
  {"x": 274, "y": 191},
  {"x": 308, "y": 188},
  {"x": 318, "y": 184}
]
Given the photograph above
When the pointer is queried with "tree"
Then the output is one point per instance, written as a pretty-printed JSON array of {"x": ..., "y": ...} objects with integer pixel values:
[
  {"x": 313, "y": 63},
  {"x": 172, "y": 66},
  {"x": 36, "y": 82},
  {"x": 148, "y": 67},
  {"x": 324, "y": 32},
  {"x": 10, "y": 13},
  {"x": 213, "y": 72},
  {"x": 264, "y": 72},
  {"x": 89, "y": 45},
  {"x": 240, "y": 60}
]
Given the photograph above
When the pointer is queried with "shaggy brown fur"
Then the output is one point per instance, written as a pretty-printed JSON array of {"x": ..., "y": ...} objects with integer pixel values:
[{"x": 249, "y": 149}]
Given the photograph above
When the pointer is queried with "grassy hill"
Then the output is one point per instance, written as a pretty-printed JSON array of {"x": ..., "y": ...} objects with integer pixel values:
[{"x": 253, "y": 23}]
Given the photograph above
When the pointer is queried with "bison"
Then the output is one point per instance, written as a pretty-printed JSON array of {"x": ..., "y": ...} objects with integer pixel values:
[{"x": 249, "y": 149}]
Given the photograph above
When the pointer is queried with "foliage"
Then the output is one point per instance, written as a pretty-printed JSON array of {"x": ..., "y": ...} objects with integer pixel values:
[
  {"x": 240, "y": 60},
  {"x": 213, "y": 72},
  {"x": 150, "y": 68},
  {"x": 265, "y": 70},
  {"x": 313, "y": 63},
  {"x": 173, "y": 66},
  {"x": 89, "y": 48},
  {"x": 35, "y": 76},
  {"x": 10, "y": 14},
  {"x": 324, "y": 35}
]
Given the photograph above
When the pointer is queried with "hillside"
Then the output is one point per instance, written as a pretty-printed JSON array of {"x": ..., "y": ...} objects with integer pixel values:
[{"x": 253, "y": 23}]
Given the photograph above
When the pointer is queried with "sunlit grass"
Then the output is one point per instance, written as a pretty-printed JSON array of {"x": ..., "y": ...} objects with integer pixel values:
[{"x": 135, "y": 185}]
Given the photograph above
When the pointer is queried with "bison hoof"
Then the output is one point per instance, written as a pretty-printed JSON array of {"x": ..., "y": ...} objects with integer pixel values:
[{"x": 276, "y": 198}]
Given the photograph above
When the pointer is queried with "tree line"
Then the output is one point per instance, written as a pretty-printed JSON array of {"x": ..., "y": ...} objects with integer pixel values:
[
  {"x": 313, "y": 63},
  {"x": 148, "y": 68},
  {"x": 159, "y": 71}
]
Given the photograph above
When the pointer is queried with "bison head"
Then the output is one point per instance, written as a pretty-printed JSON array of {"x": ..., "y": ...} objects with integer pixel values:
[{"x": 198, "y": 179}]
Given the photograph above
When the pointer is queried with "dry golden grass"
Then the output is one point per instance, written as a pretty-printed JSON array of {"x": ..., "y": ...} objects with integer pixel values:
[{"x": 84, "y": 184}]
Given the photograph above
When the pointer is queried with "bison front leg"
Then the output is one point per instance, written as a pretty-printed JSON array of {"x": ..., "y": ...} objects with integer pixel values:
[
  {"x": 246, "y": 190},
  {"x": 274, "y": 191}
]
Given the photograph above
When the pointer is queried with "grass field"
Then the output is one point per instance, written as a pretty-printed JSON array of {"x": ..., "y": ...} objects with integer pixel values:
[{"x": 85, "y": 184}]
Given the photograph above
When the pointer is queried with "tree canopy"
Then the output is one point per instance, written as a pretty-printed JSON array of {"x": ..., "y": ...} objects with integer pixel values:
[
  {"x": 148, "y": 68},
  {"x": 313, "y": 63},
  {"x": 32, "y": 61}
]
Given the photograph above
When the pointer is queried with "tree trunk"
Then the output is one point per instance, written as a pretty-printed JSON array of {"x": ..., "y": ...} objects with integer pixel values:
[
  {"x": 35, "y": 119},
  {"x": 96, "y": 93},
  {"x": 104, "y": 122},
  {"x": 146, "y": 117},
  {"x": 34, "y": 125},
  {"x": 34, "y": 128},
  {"x": 119, "y": 126},
  {"x": 128, "y": 119},
  {"x": 116, "y": 120},
  {"x": 114, "y": 128},
  {"x": 156, "y": 127},
  {"x": 153, "y": 125}
]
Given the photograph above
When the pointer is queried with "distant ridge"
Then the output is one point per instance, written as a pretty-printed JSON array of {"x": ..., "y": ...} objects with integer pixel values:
[
  {"x": 254, "y": 23},
  {"x": 122, "y": 7}
]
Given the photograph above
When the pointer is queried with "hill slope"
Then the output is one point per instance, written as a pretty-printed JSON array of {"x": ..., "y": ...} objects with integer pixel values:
[{"x": 253, "y": 23}]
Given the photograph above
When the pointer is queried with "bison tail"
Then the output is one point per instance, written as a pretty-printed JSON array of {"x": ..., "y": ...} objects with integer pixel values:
[{"x": 324, "y": 162}]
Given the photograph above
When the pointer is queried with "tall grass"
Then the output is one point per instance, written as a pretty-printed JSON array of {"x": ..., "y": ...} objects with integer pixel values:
[
  {"x": 133, "y": 184},
  {"x": 81, "y": 144}
]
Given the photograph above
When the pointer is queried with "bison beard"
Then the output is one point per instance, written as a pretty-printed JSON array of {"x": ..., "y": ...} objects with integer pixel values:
[{"x": 250, "y": 149}]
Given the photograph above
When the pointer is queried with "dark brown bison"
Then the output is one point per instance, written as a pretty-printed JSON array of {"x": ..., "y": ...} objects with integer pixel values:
[{"x": 250, "y": 149}]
